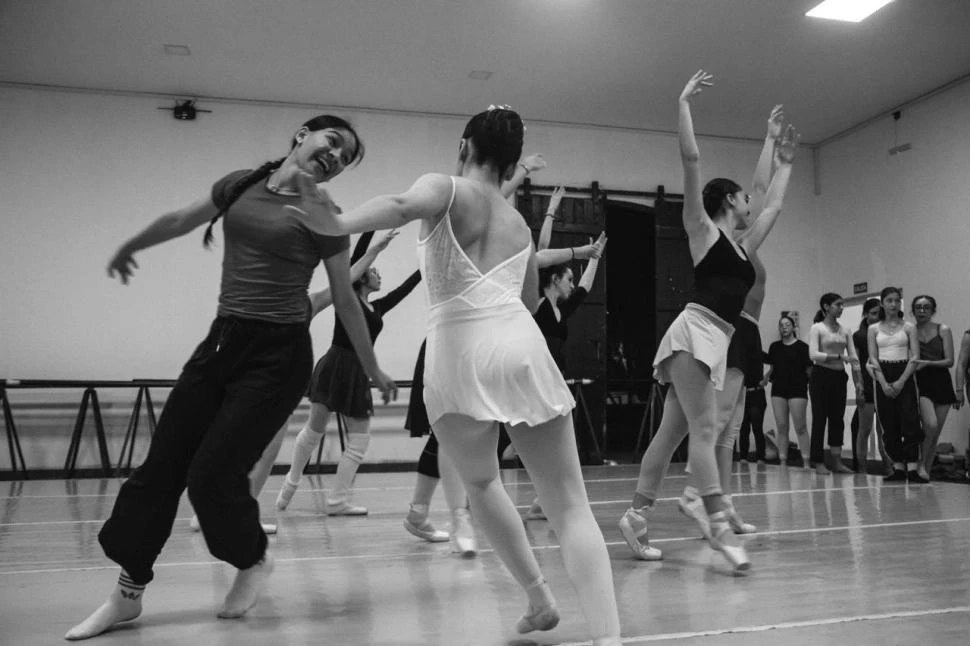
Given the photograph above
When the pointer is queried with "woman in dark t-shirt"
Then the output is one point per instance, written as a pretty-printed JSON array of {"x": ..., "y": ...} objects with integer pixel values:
[
  {"x": 246, "y": 376},
  {"x": 788, "y": 373}
]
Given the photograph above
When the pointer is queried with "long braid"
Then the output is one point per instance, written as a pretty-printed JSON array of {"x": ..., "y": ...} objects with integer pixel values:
[{"x": 241, "y": 186}]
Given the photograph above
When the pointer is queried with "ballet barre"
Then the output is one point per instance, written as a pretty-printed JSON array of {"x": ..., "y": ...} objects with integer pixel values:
[{"x": 90, "y": 403}]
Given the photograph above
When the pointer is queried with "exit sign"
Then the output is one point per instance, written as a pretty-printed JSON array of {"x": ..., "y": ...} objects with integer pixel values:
[{"x": 860, "y": 288}]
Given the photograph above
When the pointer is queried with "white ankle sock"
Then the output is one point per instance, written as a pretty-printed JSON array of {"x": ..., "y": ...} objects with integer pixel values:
[{"x": 124, "y": 604}]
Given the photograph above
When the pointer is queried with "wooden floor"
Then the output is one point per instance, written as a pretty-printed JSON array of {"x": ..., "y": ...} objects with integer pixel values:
[{"x": 837, "y": 560}]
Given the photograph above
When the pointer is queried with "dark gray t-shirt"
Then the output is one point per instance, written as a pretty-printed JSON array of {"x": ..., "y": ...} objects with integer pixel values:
[{"x": 270, "y": 253}]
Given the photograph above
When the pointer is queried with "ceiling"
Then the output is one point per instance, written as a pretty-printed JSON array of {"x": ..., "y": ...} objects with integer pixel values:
[{"x": 618, "y": 63}]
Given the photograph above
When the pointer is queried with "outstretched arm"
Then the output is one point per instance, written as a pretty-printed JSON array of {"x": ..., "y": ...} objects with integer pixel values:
[
  {"x": 549, "y": 257},
  {"x": 523, "y": 169},
  {"x": 784, "y": 156},
  {"x": 589, "y": 274},
  {"x": 427, "y": 199},
  {"x": 701, "y": 232},
  {"x": 545, "y": 233},
  {"x": 762, "y": 172},
  {"x": 398, "y": 294},
  {"x": 164, "y": 228}
]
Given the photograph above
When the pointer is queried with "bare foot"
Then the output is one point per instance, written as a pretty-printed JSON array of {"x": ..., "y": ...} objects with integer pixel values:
[{"x": 246, "y": 588}]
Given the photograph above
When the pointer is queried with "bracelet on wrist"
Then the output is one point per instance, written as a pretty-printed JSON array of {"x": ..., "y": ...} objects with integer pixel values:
[
  {"x": 525, "y": 168},
  {"x": 573, "y": 250}
]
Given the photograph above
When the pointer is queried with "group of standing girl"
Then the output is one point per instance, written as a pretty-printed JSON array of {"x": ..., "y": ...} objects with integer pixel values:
[{"x": 901, "y": 372}]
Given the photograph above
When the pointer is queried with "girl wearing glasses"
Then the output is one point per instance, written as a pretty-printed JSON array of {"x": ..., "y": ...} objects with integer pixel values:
[{"x": 933, "y": 380}]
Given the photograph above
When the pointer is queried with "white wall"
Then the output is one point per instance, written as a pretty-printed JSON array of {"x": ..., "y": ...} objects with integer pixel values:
[
  {"x": 903, "y": 220},
  {"x": 80, "y": 173}
]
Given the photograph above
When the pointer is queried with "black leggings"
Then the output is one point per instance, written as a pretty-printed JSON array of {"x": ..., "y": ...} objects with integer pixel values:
[
  {"x": 828, "y": 390},
  {"x": 428, "y": 462},
  {"x": 899, "y": 415},
  {"x": 234, "y": 393},
  {"x": 754, "y": 417}
]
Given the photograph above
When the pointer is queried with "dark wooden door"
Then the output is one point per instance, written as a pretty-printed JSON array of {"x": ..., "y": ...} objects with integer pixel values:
[{"x": 674, "y": 269}]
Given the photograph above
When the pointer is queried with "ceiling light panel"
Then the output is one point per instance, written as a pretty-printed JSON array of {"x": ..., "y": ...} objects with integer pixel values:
[{"x": 847, "y": 10}]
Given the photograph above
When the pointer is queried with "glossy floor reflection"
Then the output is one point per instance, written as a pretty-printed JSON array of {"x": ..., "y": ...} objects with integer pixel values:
[{"x": 837, "y": 559}]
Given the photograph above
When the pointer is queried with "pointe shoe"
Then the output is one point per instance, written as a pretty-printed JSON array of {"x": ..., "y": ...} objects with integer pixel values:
[
  {"x": 545, "y": 618},
  {"x": 463, "y": 534},
  {"x": 633, "y": 526},
  {"x": 693, "y": 508},
  {"x": 535, "y": 512},
  {"x": 735, "y": 521},
  {"x": 724, "y": 541},
  {"x": 417, "y": 523},
  {"x": 286, "y": 494},
  {"x": 246, "y": 588},
  {"x": 344, "y": 508}
]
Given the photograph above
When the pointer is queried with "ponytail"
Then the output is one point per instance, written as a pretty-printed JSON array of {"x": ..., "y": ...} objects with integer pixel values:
[{"x": 241, "y": 186}]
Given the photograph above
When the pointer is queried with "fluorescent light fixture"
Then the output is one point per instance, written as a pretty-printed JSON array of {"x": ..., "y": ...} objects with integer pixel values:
[{"x": 847, "y": 10}]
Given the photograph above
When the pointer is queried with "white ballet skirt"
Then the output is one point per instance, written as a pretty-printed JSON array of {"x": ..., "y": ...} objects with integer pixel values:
[
  {"x": 486, "y": 357},
  {"x": 702, "y": 334}
]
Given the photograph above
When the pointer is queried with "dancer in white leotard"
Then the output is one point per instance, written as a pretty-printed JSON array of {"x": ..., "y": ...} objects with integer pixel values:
[{"x": 487, "y": 363}]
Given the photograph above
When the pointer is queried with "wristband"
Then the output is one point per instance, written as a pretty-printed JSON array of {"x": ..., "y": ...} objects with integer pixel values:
[
  {"x": 525, "y": 168},
  {"x": 573, "y": 250}
]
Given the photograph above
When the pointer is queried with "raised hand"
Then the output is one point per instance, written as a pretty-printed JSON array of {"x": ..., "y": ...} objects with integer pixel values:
[
  {"x": 786, "y": 147},
  {"x": 776, "y": 122},
  {"x": 598, "y": 246},
  {"x": 696, "y": 85},
  {"x": 554, "y": 201},
  {"x": 385, "y": 240},
  {"x": 123, "y": 264},
  {"x": 534, "y": 162}
]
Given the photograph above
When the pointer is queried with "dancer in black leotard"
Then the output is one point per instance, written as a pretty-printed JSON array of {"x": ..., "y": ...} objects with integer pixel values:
[
  {"x": 340, "y": 385},
  {"x": 933, "y": 381},
  {"x": 692, "y": 356}
]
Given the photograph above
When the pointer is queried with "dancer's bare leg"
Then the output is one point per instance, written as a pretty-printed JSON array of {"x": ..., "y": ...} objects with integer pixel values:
[
  {"x": 779, "y": 406},
  {"x": 799, "y": 414},
  {"x": 549, "y": 454},
  {"x": 933, "y": 417}
]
